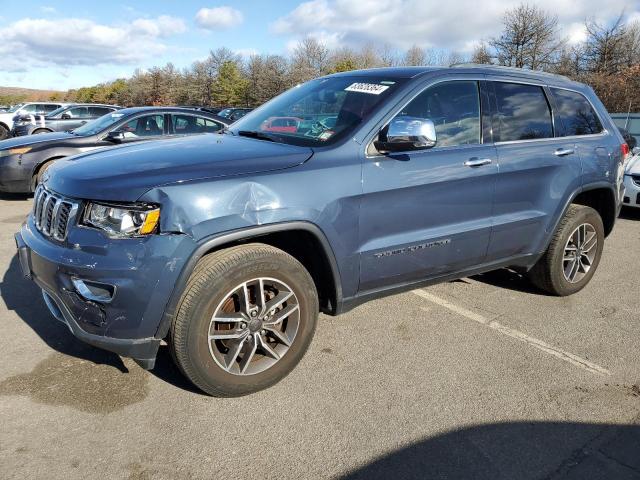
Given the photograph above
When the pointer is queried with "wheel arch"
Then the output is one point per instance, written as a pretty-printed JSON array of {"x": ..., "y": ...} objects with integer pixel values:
[
  {"x": 303, "y": 240},
  {"x": 38, "y": 167},
  {"x": 48, "y": 130},
  {"x": 602, "y": 199}
]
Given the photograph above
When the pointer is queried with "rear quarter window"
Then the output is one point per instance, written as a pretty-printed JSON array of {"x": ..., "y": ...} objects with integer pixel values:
[
  {"x": 523, "y": 112},
  {"x": 576, "y": 113}
]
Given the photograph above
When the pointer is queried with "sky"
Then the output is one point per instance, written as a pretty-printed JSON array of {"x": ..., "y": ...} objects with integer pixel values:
[{"x": 66, "y": 44}]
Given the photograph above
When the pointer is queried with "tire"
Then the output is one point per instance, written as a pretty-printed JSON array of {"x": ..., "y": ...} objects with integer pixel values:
[
  {"x": 552, "y": 273},
  {"x": 40, "y": 130},
  {"x": 4, "y": 132},
  {"x": 37, "y": 178},
  {"x": 209, "y": 294}
]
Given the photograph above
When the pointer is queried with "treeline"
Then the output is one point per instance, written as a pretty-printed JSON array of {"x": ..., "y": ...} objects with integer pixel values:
[{"x": 608, "y": 59}]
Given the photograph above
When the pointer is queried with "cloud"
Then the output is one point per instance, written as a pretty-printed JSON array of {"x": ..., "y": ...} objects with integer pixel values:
[
  {"x": 219, "y": 18},
  {"x": 46, "y": 9},
  {"x": 75, "y": 41},
  {"x": 428, "y": 23}
]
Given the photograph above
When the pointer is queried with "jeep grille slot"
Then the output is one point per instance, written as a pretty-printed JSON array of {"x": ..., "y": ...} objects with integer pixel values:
[{"x": 52, "y": 213}]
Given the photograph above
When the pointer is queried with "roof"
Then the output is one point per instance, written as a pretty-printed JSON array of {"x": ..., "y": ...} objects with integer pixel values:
[{"x": 412, "y": 72}]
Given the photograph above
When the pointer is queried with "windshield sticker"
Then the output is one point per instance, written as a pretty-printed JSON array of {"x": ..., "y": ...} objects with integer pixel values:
[
  {"x": 326, "y": 135},
  {"x": 370, "y": 88},
  {"x": 387, "y": 82}
]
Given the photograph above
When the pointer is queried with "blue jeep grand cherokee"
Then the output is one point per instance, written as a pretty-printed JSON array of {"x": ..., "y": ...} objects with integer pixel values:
[{"x": 229, "y": 245}]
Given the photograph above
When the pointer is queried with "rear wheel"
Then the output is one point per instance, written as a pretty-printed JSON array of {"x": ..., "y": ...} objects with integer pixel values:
[
  {"x": 573, "y": 254},
  {"x": 245, "y": 320}
]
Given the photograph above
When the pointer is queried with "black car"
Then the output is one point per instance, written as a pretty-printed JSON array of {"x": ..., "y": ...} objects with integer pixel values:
[
  {"x": 234, "y": 114},
  {"x": 23, "y": 160},
  {"x": 62, "y": 119}
]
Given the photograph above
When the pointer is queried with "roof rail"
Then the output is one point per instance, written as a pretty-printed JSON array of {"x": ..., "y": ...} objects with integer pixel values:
[{"x": 508, "y": 69}]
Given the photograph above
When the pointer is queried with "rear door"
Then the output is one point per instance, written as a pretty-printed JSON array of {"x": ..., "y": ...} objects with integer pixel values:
[{"x": 538, "y": 168}]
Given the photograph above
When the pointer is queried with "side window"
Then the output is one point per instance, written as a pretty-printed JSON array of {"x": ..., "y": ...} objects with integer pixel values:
[
  {"x": 99, "y": 111},
  {"x": 51, "y": 108},
  {"x": 207, "y": 125},
  {"x": 523, "y": 112},
  {"x": 454, "y": 108},
  {"x": 29, "y": 109},
  {"x": 576, "y": 113},
  {"x": 78, "y": 112},
  {"x": 147, "y": 126}
]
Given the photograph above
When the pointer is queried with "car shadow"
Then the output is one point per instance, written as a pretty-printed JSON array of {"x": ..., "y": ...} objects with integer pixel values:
[
  {"x": 24, "y": 297},
  {"x": 629, "y": 213},
  {"x": 15, "y": 196},
  {"x": 531, "y": 450},
  {"x": 510, "y": 279}
]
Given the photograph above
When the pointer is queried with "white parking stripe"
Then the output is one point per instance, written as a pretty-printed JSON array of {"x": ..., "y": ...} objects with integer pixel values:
[{"x": 523, "y": 337}]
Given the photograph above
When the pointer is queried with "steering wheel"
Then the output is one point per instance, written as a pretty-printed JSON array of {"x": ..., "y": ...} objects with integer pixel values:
[{"x": 317, "y": 128}]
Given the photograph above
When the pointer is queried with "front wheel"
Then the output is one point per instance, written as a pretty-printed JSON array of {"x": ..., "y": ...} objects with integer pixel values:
[
  {"x": 573, "y": 254},
  {"x": 4, "y": 132},
  {"x": 245, "y": 320}
]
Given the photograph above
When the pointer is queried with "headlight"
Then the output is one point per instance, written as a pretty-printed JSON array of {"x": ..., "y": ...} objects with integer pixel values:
[
  {"x": 122, "y": 221},
  {"x": 14, "y": 151}
]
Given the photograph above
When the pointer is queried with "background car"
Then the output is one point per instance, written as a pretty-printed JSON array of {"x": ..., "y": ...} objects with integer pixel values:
[
  {"x": 23, "y": 160},
  {"x": 33, "y": 108},
  {"x": 632, "y": 182},
  {"x": 629, "y": 122},
  {"x": 281, "y": 124},
  {"x": 234, "y": 114},
  {"x": 61, "y": 120}
]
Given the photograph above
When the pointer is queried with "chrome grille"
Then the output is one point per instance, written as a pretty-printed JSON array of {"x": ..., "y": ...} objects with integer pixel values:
[{"x": 52, "y": 213}]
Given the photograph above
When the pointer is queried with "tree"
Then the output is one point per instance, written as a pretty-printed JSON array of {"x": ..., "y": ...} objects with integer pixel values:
[
  {"x": 310, "y": 60},
  {"x": 604, "y": 49},
  {"x": 414, "y": 56},
  {"x": 481, "y": 54},
  {"x": 230, "y": 86},
  {"x": 529, "y": 38}
]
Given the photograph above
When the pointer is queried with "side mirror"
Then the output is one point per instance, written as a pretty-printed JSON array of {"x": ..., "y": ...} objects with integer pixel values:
[
  {"x": 407, "y": 133},
  {"x": 66, "y": 116},
  {"x": 115, "y": 136}
]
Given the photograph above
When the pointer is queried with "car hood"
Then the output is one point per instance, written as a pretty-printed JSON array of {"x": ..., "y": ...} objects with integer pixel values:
[
  {"x": 28, "y": 140},
  {"x": 125, "y": 173},
  {"x": 633, "y": 167}
]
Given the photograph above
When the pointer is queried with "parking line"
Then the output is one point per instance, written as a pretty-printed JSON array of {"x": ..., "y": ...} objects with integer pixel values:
[{"x": 518, "y": 335}]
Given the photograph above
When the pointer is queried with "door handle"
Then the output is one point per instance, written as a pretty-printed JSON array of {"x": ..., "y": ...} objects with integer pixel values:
[
  {"x": 561, "y": 152},
  {"x": 477, "y": 162}
]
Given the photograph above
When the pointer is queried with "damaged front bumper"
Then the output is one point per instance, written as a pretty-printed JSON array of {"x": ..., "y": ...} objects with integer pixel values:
[{"x": 111, "y": 293}]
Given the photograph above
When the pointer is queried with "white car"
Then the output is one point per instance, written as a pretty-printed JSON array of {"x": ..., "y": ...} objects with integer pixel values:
[
  {"x": 29, "y": 108},
  {"x": 632, "y": 182}
]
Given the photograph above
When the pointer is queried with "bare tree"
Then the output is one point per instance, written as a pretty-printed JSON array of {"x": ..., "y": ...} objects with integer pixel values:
[
  {"x": 604, "y": 50},
  {"x": 481, "y": 54},
  {"x": 529, "y": 39},
  {"x": 415, "y": 56},
  {"x": 310, "y": 59}
]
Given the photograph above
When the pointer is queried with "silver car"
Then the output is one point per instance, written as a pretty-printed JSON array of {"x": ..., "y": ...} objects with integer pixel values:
[{"x": 632, "y": 181}]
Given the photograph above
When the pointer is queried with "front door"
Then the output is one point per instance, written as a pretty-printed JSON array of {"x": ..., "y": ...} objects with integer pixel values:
[{"x": 426, "y": 213}]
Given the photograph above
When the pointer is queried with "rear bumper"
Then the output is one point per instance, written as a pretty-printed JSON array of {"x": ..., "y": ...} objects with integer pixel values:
[{"x": 631, "y": 193}]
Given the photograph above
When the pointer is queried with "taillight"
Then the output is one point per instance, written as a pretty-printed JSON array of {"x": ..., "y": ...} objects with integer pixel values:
[{"x": 625, "y": 150}]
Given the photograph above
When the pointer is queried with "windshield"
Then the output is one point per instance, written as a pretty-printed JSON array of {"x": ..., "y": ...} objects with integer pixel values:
[
  {"x": 57, "y": 111},
  {"x": 98, "y": 125},
  {"x": 318, "y": 112},
  {"x": 15, "y": 108}
]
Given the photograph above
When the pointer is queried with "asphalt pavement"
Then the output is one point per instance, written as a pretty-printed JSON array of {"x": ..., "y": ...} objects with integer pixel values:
[{"x": 484, "y": 378}]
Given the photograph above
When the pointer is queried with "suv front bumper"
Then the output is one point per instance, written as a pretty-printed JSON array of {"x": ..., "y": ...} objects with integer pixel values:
[{"x": 142, "y": 272}]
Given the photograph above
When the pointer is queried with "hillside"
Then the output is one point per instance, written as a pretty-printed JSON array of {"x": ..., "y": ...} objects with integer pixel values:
[{"x": 17, "y": 94}]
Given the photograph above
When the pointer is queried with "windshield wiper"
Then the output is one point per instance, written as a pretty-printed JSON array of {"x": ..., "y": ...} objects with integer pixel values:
[{"x": 258, "y": 135}]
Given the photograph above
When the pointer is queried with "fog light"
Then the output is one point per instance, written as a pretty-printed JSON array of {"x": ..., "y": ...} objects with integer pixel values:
[{"x": 93, "y": 291}]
